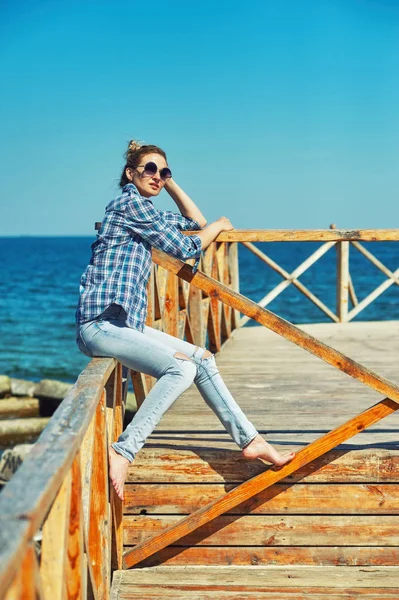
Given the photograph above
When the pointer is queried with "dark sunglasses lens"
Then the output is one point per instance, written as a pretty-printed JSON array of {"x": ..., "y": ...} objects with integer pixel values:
[
  {"x": 165, "y": 173},
  {"x": 150, "y": 168}
]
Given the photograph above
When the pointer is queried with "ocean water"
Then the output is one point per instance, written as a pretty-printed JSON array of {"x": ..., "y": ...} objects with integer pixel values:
[{"x": 40, "y": 280}]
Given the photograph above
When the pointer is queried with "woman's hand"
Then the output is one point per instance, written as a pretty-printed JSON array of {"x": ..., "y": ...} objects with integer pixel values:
[
  {"x": 225, "y": 224},
  {"x": 211, "y": 232}
]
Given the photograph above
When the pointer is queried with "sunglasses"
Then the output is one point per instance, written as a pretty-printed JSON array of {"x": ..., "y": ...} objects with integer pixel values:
[{"x": 151, "y": 169}]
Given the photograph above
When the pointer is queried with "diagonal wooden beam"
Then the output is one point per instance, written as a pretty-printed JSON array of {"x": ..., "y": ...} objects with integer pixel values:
[
  {"x": 256, "y": 484},
  {"x": 374, "y": 260},
  {"x": 291, "y": 278},
  {"x": 265, "y": 317},
  {"x": 373, "y": 295}
]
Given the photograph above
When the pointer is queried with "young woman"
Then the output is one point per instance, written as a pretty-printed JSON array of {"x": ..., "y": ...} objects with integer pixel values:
[{"x": 113, "y": 303}]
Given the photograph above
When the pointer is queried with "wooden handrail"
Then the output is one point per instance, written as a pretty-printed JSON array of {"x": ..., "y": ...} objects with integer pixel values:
[
  {"x": 28, "y": 500},
  {"x": 307, "y": 235}
]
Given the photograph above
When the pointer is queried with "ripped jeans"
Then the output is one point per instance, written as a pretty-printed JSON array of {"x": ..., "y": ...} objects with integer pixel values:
[{"x": 153, "y": 352}]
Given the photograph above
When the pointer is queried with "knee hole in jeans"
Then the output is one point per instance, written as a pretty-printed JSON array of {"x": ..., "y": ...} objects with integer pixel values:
[
  {"x": 190, "y": 368},
  {"x": 181, "y": 356}
]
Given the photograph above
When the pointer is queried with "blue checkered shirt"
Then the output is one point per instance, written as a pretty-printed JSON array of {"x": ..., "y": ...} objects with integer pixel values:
[{"x": 120, "y": 264}]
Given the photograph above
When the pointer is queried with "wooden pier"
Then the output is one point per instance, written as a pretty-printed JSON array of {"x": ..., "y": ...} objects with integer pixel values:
[
  {"x": 199, "y": 521},
  {"x": 332, "y": 528}
]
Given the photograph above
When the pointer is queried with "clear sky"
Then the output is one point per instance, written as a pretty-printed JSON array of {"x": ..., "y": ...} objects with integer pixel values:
[{"x": 275, "y": 113}]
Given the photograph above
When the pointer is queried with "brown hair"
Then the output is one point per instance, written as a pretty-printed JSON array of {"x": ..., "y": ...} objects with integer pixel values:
[{"x": 133, "y": 155}]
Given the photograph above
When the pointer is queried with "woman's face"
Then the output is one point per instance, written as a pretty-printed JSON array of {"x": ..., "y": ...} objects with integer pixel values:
[{"x": 148, "y": 185}]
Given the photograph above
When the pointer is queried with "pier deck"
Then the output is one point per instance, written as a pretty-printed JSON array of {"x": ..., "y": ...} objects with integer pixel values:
[
  {"x": 330, "y": 530},
  {"x": 290, "y": 395}
]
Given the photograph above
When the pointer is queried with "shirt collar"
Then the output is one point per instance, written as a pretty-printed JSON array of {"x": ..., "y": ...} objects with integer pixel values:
[{"x": 130, "y": 187}]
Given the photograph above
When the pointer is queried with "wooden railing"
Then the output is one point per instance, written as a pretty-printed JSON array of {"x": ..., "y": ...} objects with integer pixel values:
[
  {"x": 341, "y": 240},
  {"x": 61, "y": 523},
  {"x": 60, "y": 529},
  {"x": 257, "y": 484},
  {"x": 61, "y": 526}
]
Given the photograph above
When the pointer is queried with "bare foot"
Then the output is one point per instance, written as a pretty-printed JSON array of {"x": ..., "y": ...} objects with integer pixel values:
[
  {"x": 118, "y": 466},
  {"x": 259, "y": 448}
]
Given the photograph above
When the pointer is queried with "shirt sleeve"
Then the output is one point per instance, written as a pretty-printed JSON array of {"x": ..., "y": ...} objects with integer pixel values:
[
  {"x": 161, "y": 232},
  {"x": 181, "y": 222}
]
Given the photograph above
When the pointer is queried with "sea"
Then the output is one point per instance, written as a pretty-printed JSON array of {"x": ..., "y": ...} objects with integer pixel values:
[{"x": 39, "y": 288}]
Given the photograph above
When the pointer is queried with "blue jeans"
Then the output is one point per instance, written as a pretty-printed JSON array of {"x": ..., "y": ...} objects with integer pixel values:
[{"x": 153, "y": 352}]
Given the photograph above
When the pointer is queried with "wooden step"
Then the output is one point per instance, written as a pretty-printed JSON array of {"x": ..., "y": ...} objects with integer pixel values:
[{"x": 260, "y": 582}]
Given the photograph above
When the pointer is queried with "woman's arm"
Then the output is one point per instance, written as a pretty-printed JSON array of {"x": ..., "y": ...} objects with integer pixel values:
[
  {"x": 211, "y": 231},
  {"x": 186, "y": 206}
]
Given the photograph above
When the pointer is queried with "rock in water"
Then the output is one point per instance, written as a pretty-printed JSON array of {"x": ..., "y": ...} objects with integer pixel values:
[
  {"x": 48, "y": 388},
  {"x": 20, "y": 387}
]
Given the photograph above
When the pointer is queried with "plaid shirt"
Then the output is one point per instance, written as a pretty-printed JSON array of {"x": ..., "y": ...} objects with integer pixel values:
[{"x": 120, "y": 265}]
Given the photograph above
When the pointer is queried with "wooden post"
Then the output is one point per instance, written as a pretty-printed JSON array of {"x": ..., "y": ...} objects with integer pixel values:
[
  {"x": 235, "y": 279},
  {"x": 342, "y": 279}
]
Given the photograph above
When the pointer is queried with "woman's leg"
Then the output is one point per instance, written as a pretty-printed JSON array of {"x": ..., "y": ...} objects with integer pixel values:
[
  {"x": 218, "y": 397},
  {"x": 141, "y": 353}
]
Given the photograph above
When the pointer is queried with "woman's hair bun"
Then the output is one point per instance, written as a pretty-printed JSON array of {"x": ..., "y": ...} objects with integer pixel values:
[{"x": 132, "y": 148}]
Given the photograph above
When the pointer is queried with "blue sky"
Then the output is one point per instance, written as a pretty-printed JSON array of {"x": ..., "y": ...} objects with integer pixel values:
[{"x": 275, "y": 113}]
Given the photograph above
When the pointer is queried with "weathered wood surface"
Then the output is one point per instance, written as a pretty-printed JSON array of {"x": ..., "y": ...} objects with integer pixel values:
[
  {"x": 199, "y": 465},
  {"x": 283, "y": 498},
  {"x": 303, "y": 235},
  {"x": 189, "y": 446},
  {"x": 23, "y": 506},
  {"x": 307, "y": 235},
  {"x": 272, "y": 530},
  {"x": 257, "y": 582},
  {"x": 275, "y": 555},
  {"x": 260, "y": 482}
]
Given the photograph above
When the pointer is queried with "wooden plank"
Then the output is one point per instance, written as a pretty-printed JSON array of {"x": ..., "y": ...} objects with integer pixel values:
[
  {"x": 178, "y": 592},
  {"x": 171, "y": 306},
  {"x": 342, "y": 281},
  {"x": 282, "y": 498},
  {"x": 30, "y": 580},
  {"x": 275, "y": 555},
  {"x": 116, "y": 503},
  {"x": 33, "y": 488},
  {"x": 196, "y": 316},
  {"x": 13, "y": 535},
  {"x": 14, "y": 591},
  {"x": 75, "y": 566},
  {"x": 260, "y": 577},
  {"x": 279, "y": 325},
  {"x": 260, "y": 482},
  {"x": 99, "y": 526},
  {"x": 377, "y": 263},
  {"x": 86, "y": 470},
  {"x": 53, "y": 558},
  {"x": 373, "y": 295},
  {"x": 213, "y": 466},
  {"x": 271, "y": 530},
  {"x": 307, "y": 235},
  {"x": 139, "y": 386},
  {"x": 235, "y": 278}
]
